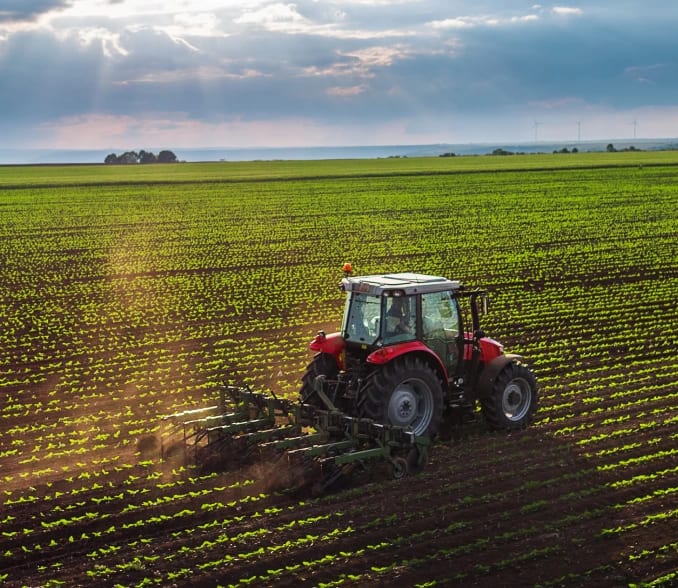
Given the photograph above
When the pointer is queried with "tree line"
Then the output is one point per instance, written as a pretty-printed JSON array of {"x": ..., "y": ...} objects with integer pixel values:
[{"x": 142, "y": 156}]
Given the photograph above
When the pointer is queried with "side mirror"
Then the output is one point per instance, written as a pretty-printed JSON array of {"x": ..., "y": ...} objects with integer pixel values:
[{"x": 484, "y": 303}]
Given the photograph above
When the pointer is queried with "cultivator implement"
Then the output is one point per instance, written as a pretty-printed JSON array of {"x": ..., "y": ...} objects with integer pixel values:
[{"x": 322, "y": 446}]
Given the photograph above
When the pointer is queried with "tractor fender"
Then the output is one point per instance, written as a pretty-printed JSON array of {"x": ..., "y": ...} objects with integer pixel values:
[
  {"x": 491, "y": 371},
  {"x": 391, "y": 352},
  {"x": 333, "y": 344}
]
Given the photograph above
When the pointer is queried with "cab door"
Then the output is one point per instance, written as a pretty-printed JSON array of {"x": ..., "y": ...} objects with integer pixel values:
[{"x": 440, "y": 327}]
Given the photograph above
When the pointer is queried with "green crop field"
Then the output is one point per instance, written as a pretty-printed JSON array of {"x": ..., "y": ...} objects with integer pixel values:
[{"x": 132, "y": 292}]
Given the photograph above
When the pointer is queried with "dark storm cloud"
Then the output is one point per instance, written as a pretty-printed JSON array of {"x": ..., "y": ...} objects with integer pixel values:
[
  {"x": 19, "y": 10},
  {"x": 593, "y": 61},
  {"x": 616, "y": 63},
  {"x": 43, "y": 77}
]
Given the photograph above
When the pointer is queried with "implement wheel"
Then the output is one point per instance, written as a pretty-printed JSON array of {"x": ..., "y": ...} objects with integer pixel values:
[
  {"x": 399, "y": 468},
  {"x": 406, "y": 392},
  {"x": 512, "y": 401}
]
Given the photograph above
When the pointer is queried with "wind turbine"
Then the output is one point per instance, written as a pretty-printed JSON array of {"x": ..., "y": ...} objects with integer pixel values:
[{"x": 536, "y": 130}]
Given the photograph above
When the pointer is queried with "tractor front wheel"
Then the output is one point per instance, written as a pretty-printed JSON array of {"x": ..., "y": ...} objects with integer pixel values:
[
  {"x": 407, "y": 393},
  {"x": 512, "y": 401}
]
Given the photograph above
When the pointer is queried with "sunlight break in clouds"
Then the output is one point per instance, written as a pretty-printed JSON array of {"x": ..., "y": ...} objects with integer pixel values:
[
  {"x": 110, "y": 42},
  {"x": 380, "y": 56},
  {"x": 361, "y": 64}
]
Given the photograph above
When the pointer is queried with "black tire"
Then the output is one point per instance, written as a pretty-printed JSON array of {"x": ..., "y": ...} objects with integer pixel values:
[
  {"x": 323, "y": 364},
  {"x": 399, "y": 468},
  {"x": 405, "y": 392},
  {"x": 512, "y": 401}
]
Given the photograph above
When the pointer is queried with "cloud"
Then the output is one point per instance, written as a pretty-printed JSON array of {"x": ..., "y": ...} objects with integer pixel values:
[
  {"x": 453, "y": 23},
  {"x": 657, "y": 73},
  {"x": 380, "y": 56},
  {"x": 199, "y": 74},
  {"x": 566, "y": 11},
  {"x": 396, "y": 66},
  {"x": 331, "y": 23},
  {"x": 346, "y": 91},
  {"x": 379, "y": 2},
  {"x": 468, "y": 22},
  {"x": 109, "y": 41},
  {"x": 525, "y": 18},
  {"x": 276, "y": 17},
  {"x": 28, "y": 10}
]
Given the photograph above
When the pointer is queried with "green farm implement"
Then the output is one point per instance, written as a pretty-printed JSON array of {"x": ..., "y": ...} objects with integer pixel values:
[
  {"x": 410, "y": 363},
  {"x": 322, "y": 446}
]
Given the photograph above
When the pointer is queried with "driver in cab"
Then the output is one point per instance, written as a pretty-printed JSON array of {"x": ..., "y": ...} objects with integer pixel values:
[{"x": 398, "y": 316}]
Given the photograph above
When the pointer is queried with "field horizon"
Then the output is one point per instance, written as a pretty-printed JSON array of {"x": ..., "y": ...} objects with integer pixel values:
[{"x": 319, "y": 152}]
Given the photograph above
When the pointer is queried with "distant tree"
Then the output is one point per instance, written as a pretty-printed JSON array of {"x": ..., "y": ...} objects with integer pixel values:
[
  {"x": 575, "y": 150},
  {"x": 449, "y": 154},
  {"x": 166, "y": 157},
  {"x": 129, "y": 157},
  {"x": 142, "y": 157},
  {"x": 501, "y": 151},
  {"x": 147, "y": 157},
  {"x": 610, "y": 148}
]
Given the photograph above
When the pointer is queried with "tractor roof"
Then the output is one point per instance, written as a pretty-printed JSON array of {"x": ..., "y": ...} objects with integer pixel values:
[{"x": 406, "y": 283}]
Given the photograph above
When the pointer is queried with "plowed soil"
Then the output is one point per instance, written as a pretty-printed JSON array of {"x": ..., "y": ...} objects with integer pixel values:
[
  {"x": 525, "y": 508},
  {"x": 124, "y": 303}
]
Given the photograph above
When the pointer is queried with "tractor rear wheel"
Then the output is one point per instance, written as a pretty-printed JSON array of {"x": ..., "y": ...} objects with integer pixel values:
[
  {"x": 323, "y": 364},
  {"x": 512, "y": 401},
  {"x": 405, "y": 392}
]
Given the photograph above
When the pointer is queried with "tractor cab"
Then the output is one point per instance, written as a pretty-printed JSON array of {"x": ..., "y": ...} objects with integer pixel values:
[{"x": 392, "y": 309}]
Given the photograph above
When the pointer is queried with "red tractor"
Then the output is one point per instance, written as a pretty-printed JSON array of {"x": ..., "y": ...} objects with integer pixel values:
[
  {"x": 411, "y": 351},
  {"x": 409, "y": 363}
]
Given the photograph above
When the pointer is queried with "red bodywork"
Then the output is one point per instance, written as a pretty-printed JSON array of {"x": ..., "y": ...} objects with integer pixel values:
[
  {"x": 390, "y": 352},
  {"x": 489, "y": 348},
  {"x": 334, "y": 344}
]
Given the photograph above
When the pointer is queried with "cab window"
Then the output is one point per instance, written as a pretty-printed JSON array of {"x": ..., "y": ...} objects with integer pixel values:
[
  {"x": 361, "y": 318},
  {"x": 440, "y": 325},
  {"x": 400, "y": 319}
]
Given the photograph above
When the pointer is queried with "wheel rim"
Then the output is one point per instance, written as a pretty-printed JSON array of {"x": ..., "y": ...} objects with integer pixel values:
[
  {"x": 411, "y": 405},
  {"x": 516, "y": 399}
]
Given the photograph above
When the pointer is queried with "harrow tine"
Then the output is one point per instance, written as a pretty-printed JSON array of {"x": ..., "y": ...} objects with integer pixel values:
[{"x": 296, "y": 441}]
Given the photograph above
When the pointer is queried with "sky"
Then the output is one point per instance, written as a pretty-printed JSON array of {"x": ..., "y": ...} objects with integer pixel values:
[{"x": 144, "y": 74}]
